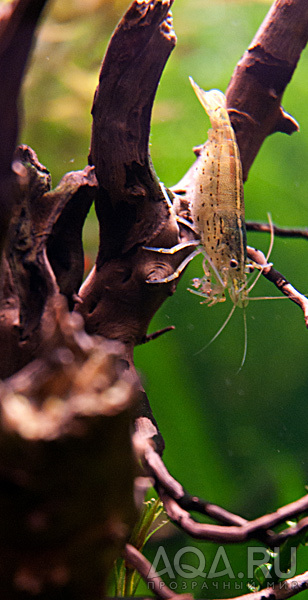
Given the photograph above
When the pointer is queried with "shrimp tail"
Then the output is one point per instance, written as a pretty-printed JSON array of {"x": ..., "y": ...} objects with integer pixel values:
[{"x": 214, "y": 103}]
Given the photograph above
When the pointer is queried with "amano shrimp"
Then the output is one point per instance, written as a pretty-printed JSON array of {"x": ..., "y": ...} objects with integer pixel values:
[
  {"x": 218, "y": 212},
  {"x": 217, "y": 206},
  {"x": 216, "y": 199}
]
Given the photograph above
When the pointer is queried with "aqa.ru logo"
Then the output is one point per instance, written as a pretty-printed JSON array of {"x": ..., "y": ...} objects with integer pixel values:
[{"x": 220, "y": 565}]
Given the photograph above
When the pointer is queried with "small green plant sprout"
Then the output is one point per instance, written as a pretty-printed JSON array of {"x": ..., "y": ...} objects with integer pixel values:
[{"x": 127, "y": 578}]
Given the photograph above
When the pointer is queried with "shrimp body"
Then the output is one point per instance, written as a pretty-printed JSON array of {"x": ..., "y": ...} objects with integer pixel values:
[{"x": 217, "y": 206}]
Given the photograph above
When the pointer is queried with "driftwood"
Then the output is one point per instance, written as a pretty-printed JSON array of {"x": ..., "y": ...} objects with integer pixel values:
[
  {"x": 66, "y": 493},
  {"x": 66, "y": 481}
]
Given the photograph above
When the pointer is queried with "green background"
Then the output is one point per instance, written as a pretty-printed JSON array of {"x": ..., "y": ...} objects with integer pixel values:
[{"x": 238, "y": 440}]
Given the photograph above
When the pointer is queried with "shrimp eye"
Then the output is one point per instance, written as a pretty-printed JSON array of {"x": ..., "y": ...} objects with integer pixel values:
[{"x": 233, "y": 263}]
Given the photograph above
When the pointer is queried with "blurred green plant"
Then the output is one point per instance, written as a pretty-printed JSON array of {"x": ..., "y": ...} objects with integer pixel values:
[{"x": 126, "y": 578}]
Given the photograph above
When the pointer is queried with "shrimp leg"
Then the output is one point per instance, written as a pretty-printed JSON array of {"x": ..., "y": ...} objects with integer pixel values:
[
  {"x": 174, "y": 249},
  {"x": 180, "y": 268}
]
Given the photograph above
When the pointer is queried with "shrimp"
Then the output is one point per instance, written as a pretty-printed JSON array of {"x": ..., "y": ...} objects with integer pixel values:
[
  {"x": 217, "y": 207},
  {"x": 216, "y": 198},
  {"x": 218, "y": 213}
]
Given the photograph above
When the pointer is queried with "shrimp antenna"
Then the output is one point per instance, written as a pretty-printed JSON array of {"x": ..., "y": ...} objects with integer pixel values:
[
  {"x": 219, "y": 332},
  {"x": 245, "y": 343},
  {"x": 272, "y": 297},
  {"x": 268, "y": 252}
]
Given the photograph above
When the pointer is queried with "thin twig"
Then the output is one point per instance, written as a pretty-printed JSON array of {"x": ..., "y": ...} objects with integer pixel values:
[
  {"x": 295, "y": 530},
  {"x": 186, "y": 500},
  {"x": 278, "y": 231},
  {"x": 145, "y": 569},
  {"x": 280, "y": 591},
  {"x": 279, "y": 281},
  {"x": 153, "y": 336}
]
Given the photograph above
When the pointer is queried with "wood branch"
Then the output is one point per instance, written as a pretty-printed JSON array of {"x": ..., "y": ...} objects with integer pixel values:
[
  {"x": 68, "y": 205},
  {"x": 155, "y": 584},
  {"x": 281, "y": 591},
  {"x": 258, "y": 529},
  {"x": 231, "y": 528},
  {"x": 257, "y": 85},
  {"x": 121, "y": 111},
  {"x": 157, "y": 469},
  {"x": 13, "y": 358},
  {"x": 44, "y": 251},
  {"x": 38, "y": 214},
  {"x": 66, "y": 482},
  {"x": 292, "y": 232},
  {"x": 18, "y": 21},
  {"x": 279, "y": 281},
  {"x": 156, "y": 334},
  {"x": 117, "y": 281},
  {"x": 26, "y": 251},
  {"x": 131, "y": 207},
  {"x": 255, "y": 91}
]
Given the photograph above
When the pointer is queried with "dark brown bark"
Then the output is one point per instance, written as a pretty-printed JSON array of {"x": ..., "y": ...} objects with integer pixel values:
[{"x": 44, "y": 252}]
